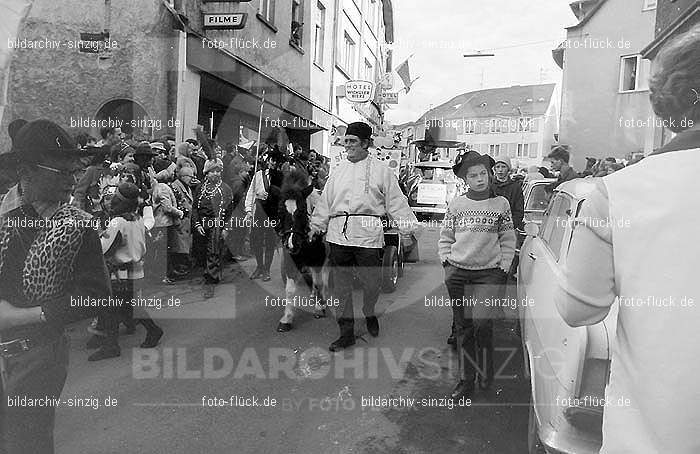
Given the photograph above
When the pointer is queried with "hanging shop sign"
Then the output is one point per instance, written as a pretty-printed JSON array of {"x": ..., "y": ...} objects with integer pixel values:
[
  {"x": 387, "y": 97},
  {"x": 359, "y": 91},
  {"x": 225, "y": 21}
]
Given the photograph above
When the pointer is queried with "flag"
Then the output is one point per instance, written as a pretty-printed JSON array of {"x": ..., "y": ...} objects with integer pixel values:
[
  {"x": 12, "y": 14},
  {"x": 404, "y": 73}
]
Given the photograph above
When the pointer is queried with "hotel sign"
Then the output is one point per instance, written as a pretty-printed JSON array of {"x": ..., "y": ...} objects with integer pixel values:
[
  {"x": 224, "y": 21},
  {"x": 359, "y": 91},
  {"x": 387, "y": 97}
]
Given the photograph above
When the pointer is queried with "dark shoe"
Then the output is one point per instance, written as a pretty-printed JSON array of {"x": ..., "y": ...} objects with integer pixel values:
[
  {"x": 257, "y": 274},
  {"x": 105, "y": 352},
  {"x": 152, "y": 337},
  {"x": 342, "y": 343},
  {"x": 168, "y": 281},
  {"x": 284, "y": 327},
  {"x": 266, "y": 276},
  {"x": 465, "y": 388},
  {"x": 372, "y": 326},
  {"x": 485, "y": 383},
  {"x": 347, "y": 335},
  {"x": 95, "y": 342}
]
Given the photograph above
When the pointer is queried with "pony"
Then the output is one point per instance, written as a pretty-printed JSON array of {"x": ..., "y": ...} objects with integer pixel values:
[{"x": 302, "y": 259}]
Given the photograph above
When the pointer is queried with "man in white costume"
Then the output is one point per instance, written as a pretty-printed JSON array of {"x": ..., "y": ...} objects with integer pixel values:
[{"x": 359, "y": 193}]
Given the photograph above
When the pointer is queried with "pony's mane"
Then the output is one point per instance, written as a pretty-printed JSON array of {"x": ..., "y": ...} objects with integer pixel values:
[{"x": 293, "y": 184}]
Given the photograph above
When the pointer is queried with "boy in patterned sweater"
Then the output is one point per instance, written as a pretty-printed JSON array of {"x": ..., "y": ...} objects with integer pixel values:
[{"x": 476, "y": 248}]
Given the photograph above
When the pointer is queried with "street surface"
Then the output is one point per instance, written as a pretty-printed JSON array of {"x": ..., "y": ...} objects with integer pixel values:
[{"x": 177, "y": 399}]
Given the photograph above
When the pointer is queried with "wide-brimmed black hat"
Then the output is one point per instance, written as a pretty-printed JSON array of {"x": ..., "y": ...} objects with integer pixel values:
[
  {"x": 33, "y": 141},
  {"x": 471, "y": 158},
  {"x": 144, "y": 149}
]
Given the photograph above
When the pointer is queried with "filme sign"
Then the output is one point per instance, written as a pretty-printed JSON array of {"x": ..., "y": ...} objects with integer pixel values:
[
  {"x": 358, "y": 91},
  {"x": 225, "y": 21}
]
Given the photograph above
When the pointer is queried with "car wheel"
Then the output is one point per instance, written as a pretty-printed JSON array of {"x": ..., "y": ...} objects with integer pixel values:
[
  {"x": 390, "y": 269},
  {"x": 534, "y": 445}
]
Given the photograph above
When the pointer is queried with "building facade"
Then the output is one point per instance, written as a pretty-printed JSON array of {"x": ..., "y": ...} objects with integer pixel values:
[
  {"x": 166, "y": 71},
  {"x": 516, "y": 123},
  {"x": 131, "y": 81},
  {"x": 605, "y": 109}
]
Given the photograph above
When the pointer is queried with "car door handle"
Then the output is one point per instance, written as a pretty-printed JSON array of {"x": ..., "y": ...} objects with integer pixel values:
[{"x": 532, "y": 256}]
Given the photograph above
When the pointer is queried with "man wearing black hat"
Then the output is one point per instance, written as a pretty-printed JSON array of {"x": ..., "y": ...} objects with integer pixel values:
[
  {"x": 51, "y": 260},
  {"x": 359, "y": 192}
]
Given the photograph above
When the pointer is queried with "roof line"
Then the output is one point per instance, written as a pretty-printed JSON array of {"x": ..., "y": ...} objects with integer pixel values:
[
  {"x": 588, "y": 16},
  {"x": 653, "y": 48}
]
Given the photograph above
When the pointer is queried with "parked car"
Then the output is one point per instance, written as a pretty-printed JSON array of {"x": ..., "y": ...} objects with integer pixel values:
[
  {"x": 568, "y": 367},
  {"x": 435, "y": 188}
]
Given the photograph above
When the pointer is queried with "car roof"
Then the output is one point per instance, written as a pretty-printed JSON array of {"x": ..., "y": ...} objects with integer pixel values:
[
  {"x": 434, "y": 164},
  {"x": 579, "y": 188}
]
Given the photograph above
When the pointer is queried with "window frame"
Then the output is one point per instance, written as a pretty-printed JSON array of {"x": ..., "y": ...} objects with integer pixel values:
[
  {"x": 319, "y": 30},
  {"x": 650, "y": 5},
  {"x": 524, "y": 124},
  {"x": 550, "y": 224},
  {"x": 368, "y": 66},
  {"x": 637, "y": 75},
  {"x": 469, "y": 126},
  {"x": 297, "y": 16},
  {"x": 346, "y": 59},
  {"x": 534, "y": 146},
  {"x": 266, "y": 11}
]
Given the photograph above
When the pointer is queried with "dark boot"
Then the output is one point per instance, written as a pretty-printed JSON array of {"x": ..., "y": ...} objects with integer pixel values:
[
  {"x": 452, "y": 340},
  {"x": 127, "y": 313},
  {"x": 485, "y": 368},
  {"x": 95, "y": 341},
  {"x": 153, "y": 333},
  {"x": 465, "y": 388},
  {"x": 372, "y": 326},
  {"x": 347, "y": 335}
]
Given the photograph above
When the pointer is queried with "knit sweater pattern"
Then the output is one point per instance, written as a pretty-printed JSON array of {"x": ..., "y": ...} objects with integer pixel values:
[{"x": 477, "y": 234}]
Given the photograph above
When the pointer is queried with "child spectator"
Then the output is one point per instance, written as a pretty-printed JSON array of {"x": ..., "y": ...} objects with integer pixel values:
[
  {"x": 476, "y": 248},
  {"x": 124, "y": 245}
]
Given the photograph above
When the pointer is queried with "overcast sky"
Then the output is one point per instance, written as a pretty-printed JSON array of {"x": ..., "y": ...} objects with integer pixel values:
[{"x": 439, "y": 32}]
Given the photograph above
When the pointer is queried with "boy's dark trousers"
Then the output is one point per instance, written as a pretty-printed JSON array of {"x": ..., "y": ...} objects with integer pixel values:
[{"x": 473, "y": 320}]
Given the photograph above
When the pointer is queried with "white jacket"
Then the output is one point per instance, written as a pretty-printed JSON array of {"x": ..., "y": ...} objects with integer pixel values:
[{"x": 366, "y": 187}]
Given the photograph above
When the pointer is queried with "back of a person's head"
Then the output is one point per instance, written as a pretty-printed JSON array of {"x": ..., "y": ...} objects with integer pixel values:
[
  {"x": 104, "y": 132},
  {"x": 675, "y": 85}
]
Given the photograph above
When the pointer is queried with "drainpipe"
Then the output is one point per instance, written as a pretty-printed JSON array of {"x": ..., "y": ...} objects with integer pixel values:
[{"x": 336, "y": 17}]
